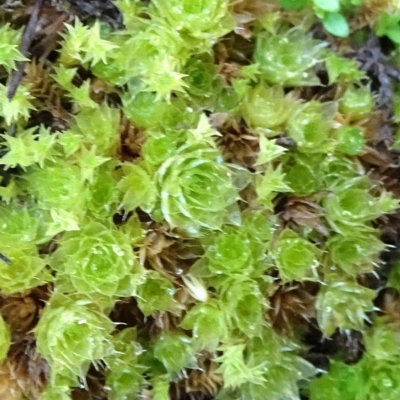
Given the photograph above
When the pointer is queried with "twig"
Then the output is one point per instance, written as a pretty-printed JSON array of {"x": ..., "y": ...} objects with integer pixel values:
[
  {"x": 27, "y": 37},
  {"x": 5, "y": 259}
]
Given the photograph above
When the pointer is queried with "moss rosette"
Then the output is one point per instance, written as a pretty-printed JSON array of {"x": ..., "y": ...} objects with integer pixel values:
[
  {"x": 295, "y": 257},
  {"x": 206, "y": 19},
  {"x": 195, "y": 189},
  {"x": 27, "y": 269},
  {"x": 71, "y": 334},
  {"x": 95, "y": 260}
]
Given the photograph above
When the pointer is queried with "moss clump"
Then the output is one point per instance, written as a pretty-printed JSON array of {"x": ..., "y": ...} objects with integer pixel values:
[{"x": 196, "y": 201}]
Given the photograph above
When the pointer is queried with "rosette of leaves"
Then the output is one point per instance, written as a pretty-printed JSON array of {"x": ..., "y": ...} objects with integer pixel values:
[
  {"x": 305, "y": 173},
  {"x": 338, "y": 170},
  {"x": 341, "y": 382},
  {"x": 56, "y": 186},
  {"x": 267, "y": 107},
  {"x": 124, "y": 375},
  {"x": 138, "y": 48},
  {"x": 234, "y": 261},
  {"x": 175, "y": 351},
  {"x": 309, "y": 126},
  {"x": 97, "y": 127},
  {"x": 382, "y": 341},
  {"x": 383, "y": 378},
  {"x": 29, "y": 147},
  {"x": 199, "y": 23},
  {"x": 343, "y": 304},
  {"x": 287, "y": 58},
  {"x": 356, "y": 103},
  {"x": 341, "y": 69},
  {"x": 102, "y": 201},
  {"x": 229, "y": 253},
  {"x": 201, "y": 72},
  {"x": 16, "y": 110},
  {"x": 209, "y": 324},
  {"x": 155, "y": 293},
  {"x": 138, "y": 187},
  {"x": 72, "y": 334},
  {"x": 163, "y": 77},
  {"x": 266, "y": 365},
  {"x": 351, "y": 205},
  {"x": 145, "y": 111},
  {"x": 159, "y": 145},
  {"x": 196, "y": 190},
  {"x": 355, "y": 254},
  {"x": 259, "y": 227},
  {"x": 12, "y": 218},
  {"x": 96, "y": 260},
  {"x": 350, "y": 140},
  {"x": 369, "y": 379},
  {"x": 26, "y": 269},
  {"x": 84, "y": 45},
  {"x": 10, "y": 55},
  {"x": 237, "y": 251},
  {"x": 244, "y": 304},
  {"x": 296, "y": 258}
]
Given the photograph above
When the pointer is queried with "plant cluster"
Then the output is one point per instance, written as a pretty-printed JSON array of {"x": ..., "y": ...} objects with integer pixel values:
[{"x": 213, "y": 195}]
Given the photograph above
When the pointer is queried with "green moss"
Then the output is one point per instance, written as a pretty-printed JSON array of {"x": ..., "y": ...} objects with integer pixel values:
[{"x": 211, "y": 171}]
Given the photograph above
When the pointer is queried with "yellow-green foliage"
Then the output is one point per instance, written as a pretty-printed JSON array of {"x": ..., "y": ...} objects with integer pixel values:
[{"x": 201, "y": 155}]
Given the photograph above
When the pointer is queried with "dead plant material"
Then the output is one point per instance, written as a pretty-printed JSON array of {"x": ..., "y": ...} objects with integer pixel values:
[
  {"x": 292, "y": 307},
  {"x": 24, "y": 374},
  {"x": 298, "y": 211},
  {"x": 246, "y": 11},
  {"x": 388, "y": 302},
  {"x": 199, "y": 384},
  {"x": 21, "y": 311},
  {"x": 371, "y": 10},
  {"x": 132, "y": 139},
  {"x": 237, "y": 144},
  {"x": 234, "y": 48},
  {"x": 168, "y": 253}
]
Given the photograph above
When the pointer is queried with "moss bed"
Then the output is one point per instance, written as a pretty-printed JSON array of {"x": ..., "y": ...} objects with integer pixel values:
[{"x": 199, "y": 200}]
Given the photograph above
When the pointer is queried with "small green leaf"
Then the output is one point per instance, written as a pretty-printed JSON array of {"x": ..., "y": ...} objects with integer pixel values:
[
  {"x": 175, "y": 351},
  {"x": 18, "y": 108},
  {"x": 336, "y": 24},
  {"x": 209, "y": 324},
  {"x": 138, "y": 188},
  {"x": 327, "y": 5},
  {"x": 28, "y": 147},
  {"x": 269, "y": 150},
  {"x": 343, "y": 304},
  {"x": 342, "y": 69},
  {"x": 270, "y": 184},
  {"x": 71, "y": 334},
  {"x": 350, "y": 140},
  {"x": 155, "y": 294},
  {"x": 236, "y": 371}
]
